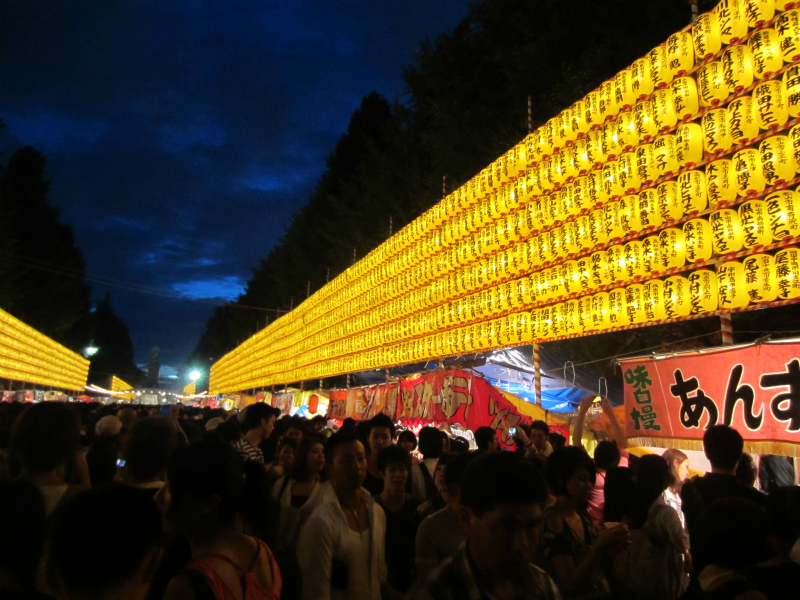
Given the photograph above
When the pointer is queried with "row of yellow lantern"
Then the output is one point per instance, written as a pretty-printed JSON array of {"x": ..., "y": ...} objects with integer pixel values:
[
  {"x": 119, "y": 385},
  {"x": 735, "y": 285}
]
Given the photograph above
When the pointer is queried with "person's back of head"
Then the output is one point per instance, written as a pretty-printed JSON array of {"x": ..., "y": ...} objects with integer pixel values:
[
  {"x": 746, "y": 470},
  {"x": 201, "y": 472},
  {"x": 783, "y": 515},
  {"x": 46, "y": 437},
  {"x": 127, "y": 416},
  {"x": 254, "y": 413},
  {"x": 22, "y": 528},
  {"x": 431, "y": 444},
  {"x": 499, "y": 478},
  {"x": 557, "y": 440},
  {"x": 484, "y": 436},
  {"x": 102, "y": 461},
  {"x": 723, "y": 447},
  {"x": 148, "y": 448},
  {"x": 456, "y": 467},
  {"x": 606, "y": 455},
  {"x": 93, "y": 553},
  {"x": 619, "y": 492},
  {"x": 652, "y": 477},
  {"x": 459, "y": 445}
]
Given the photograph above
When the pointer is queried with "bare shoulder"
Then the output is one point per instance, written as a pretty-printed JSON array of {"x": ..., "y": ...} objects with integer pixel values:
[{"x": 179, "y": 589}]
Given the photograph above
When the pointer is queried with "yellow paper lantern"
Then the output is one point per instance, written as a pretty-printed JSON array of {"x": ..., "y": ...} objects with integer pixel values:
[
  {"x": 596, "y": 228},
  {"x": 594, "y": 145},
  {"x": 777, "y": 162},
  {"x": 759, "y": 277},
  {"x": 629, "y": 220},
  {"x": 594, "y": 188},
  {"x": 558, "y": 326},
  {"x": 584, "y": 281},
  {"x": 566, "y": 201},
  {"x": 737, "y": 68},
  {"x": 645, "y": 163},
  {"x": 726, "y": 230},
  {"x": 592, "y": 112},
  {"x": 755, "y": 224},
  {"x": 684, "y": 97},
  {"x": 794, "y": 139},
  {"x": 555, "y": 277},
  {"x": 623, "y": 89},
  {"x": 680, "y": 52},
  {"x": 579, "y": 123},
  {"x": 611, "y": 186},
  {"x": 570, "y": 312},
  {"x": 765, "y": 48},
  {"x": 521, "y": 327},
  {"x": 644, "y": 119},
  {"x": 600, "y": 272},
  {"x": 544, "y": 323},
  {"x": 571, "y": 243},
  {"x": 671, "y": 248},
  {"x": 731, "y": 286},
  {"x": 570, "y": 276},
  {"x": 559, "y": 131},
  {"x": 732, "y": 20},
  {"x": 716, "y": 135},
  {"x": 787, "y": 273},
  {"x": 570, "y": 161},
  {"x": 533, "y": 149},
  {"x": 698, "y": 240},
  {"x": 567, "y": 131},
  {"x": 706, "y": 35},
  {"x": 703, "y": 294},
  {"x": 720, "y": 182},
  {"x": 583, "y": 229},
  {"x": 609, "y": 140},
  {"x": 664, "y": 115},
  {"x": 532, "y": 184},
  {"x": 612, "y": 220},
  {"x": 627, "y": 172},
  {"x": 633, "y": 255},
  {"x": 788, "y": 27},
  {"x": 580, "y": 195},
  {"x": 783, "y": 209},
  {"x": 641, "y": 78},
  {"x": 649, "y": 214},
  {"x": 689, "y": 144},
  {"x": 608, "y": 101},
  {"x": 634, "y": 303},
  {"x": 616, "y": 262},
  {"x": 692, "y": 190},
  {"x": 711, "y": 84},
  {"x": 583, "y": 155},
  {"x": 659, "y": 67},
  {"x": 600, "y": 316},
  {"x": 670, "y": 206},
  {"x": 627, "y": 136},
  {"x": 749, "y": 174},
  {"x": 557, "y": 169},
  {"x": 557, "y": 243},
  {"x": 758, "y": 12},
  {"x": 791, "y": 81},
  {"x": 651, "y": 254},
  {"x": 653, "y": 297},
  {"x": 742, "y": 122},
  {"x": 617, "y": 315},
  {"x": 665, "y": 153},
  {"x": 771, "y": 106},
  {"x": 677, "y": 301}
]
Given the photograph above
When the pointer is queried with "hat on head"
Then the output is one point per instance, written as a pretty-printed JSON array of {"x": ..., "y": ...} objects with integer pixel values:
[
  {"x": 212, "y": 424},
  {"x": 108, "y": 426}
]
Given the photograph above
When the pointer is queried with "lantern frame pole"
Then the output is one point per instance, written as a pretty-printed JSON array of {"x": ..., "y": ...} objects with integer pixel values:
[
  {"x": 537, "y": 375},
  {"x": 726, "y": 328}
]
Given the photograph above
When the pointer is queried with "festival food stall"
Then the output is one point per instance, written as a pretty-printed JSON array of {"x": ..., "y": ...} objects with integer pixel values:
[
  {"x": 31, "y": 357},
  {"x": 665, "y": 194}
]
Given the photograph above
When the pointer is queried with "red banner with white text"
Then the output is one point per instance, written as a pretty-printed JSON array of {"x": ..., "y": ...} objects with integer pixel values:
[{"x": 671, "y": 401}]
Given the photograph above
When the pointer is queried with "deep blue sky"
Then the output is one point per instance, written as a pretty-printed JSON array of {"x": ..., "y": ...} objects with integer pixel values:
[{"x": 181, "y": 135}]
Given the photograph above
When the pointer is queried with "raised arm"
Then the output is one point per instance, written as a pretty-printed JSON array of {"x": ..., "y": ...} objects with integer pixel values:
[
  {"x": 616, "y": 429},
  {"x": 577, "y": 432}
]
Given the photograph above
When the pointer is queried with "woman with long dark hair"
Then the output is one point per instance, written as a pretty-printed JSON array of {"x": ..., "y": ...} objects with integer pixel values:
[{"x": 678, "y": 464}]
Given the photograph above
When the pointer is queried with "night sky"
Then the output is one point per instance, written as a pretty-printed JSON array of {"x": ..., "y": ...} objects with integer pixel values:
[{"x": 181, "y": 135}]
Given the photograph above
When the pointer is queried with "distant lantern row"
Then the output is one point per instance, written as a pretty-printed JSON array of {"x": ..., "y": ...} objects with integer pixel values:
[{"x": 678, "y": 132}]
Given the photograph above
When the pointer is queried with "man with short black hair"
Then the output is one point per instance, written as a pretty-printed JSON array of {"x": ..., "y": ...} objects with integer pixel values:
[
  {"x": 431, "y": 446},
  {"x": 380, "y": 435},
  {"x": 257, "y": 425},
  {"x": 486, "y": 439},
  {"x": 723, "y": 446},
  {"x": 502, "y": 503}
]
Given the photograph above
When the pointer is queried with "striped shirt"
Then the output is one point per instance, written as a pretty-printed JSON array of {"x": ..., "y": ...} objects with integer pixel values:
[{"x": 249, "y": 452}]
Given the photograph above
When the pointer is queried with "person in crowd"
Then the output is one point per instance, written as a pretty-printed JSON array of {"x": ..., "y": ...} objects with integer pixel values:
[
  {"x": 540, "y": 439},
  {"x": 731, "y": 533},
  {"x": 402, "y": 521},
  {"x": 257, "y": 425},
  {"x": 101, "y": 460},
  {"x": 45, "y": 441},
  {"x": 127, "y": 416},
  {"x": 89, "y": 559},
  {"x": 502, "y": 503},
  {"x": 620, "y": 488},
  {"x": 459, "y": 445},
  {"x": 778, "y": 577},
  {"x": 380, "y": 435},
  {"x": 774, "y": 472},
  {"x": 300, "y": 492},
  {"x": 228, "y": 432},
  {"x": 109, "y": 427},
  {"x": 746, "y": 470},
  {"x": 486, "y": 439},
  {"x": 318, "y": 424},
  {"x": 285, "y": 457},
  {"x": 213, "y": 423},
  {"x": 341, "y": 548},
  {"x": 22, "y": 529},
  {"x": 617, "y": 434},
  {"x": 445, "y": 440},
  {"x": 557, "y": 440},
  {"x": 665, "y": 574},
  {"x": 723, "y": 447},
  {"x": 606, "y": 456},
  {"x": 431, "y": 447},
  {"x": 440, "y": 534},
  {"x": 571, "y": 546},
  {"x": 147, "y": 450},
  {"x": 296, "y": 429},
  {"x": 408, "y": 442},
  {"x": 201, "y": 500},
  {"x": 442, "y": 497},
  {"x": 678, "y": 473}
]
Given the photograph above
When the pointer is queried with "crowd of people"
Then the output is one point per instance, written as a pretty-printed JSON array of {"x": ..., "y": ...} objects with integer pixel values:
[{"x": 124, "y": 501}]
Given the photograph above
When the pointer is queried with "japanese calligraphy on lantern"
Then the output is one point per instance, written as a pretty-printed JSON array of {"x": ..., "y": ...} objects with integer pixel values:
[{"x": 755, "y": 389}]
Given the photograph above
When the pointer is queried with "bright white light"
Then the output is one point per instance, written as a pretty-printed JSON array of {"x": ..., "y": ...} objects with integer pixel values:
[
  {"x": 90, "y": 350},
  {"x": 194, "y": 375}
]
